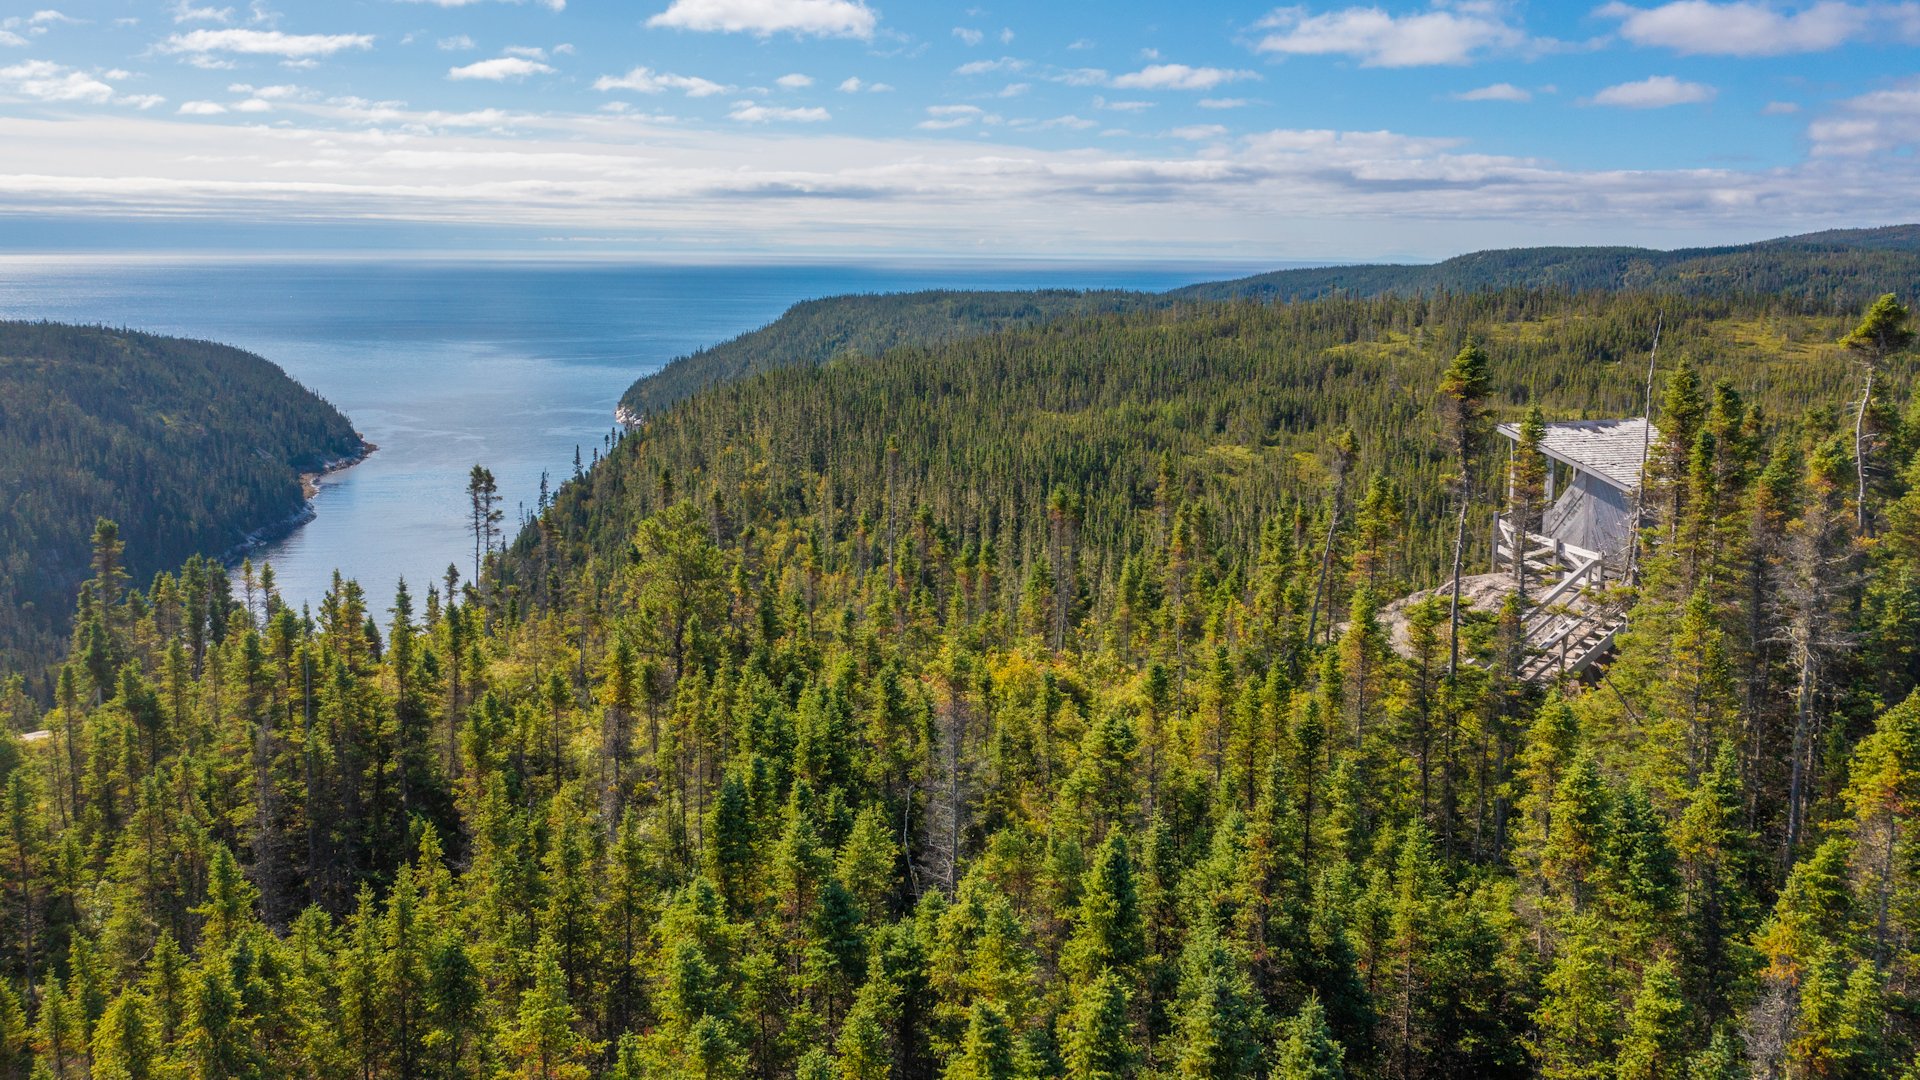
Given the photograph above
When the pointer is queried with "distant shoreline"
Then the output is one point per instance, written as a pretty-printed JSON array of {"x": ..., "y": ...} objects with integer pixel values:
[
  {"x": 310, "y": 481},
  {"x": 309, "y": 487}
]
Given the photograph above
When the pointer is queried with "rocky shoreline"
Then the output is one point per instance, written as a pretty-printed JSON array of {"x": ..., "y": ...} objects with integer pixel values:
[{"x": 309, "y": 487}]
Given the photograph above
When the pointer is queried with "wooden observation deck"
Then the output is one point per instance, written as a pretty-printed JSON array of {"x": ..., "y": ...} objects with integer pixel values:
[{"x": 1585, "y": 542}]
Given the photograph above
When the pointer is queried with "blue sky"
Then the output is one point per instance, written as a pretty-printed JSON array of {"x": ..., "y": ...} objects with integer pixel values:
[{"x": 850, "y": 129}]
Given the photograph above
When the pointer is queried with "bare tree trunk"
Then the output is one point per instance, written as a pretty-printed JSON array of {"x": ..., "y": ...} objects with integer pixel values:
[
  {"x": 1646, "y": 449},
  {"x": 1326, "y": 558},
  {"x": 1860, "y": 455},
  {"x": 1453, "y": 617},
  {"x": 946, "y": 796},
  {"x": 1802, "y": 724},
  {"x": 893, "y": 483},
  {"x": 266, "y": 855},
  {"x": 1892, "y": 827},
  {"x": 953, "y": 803},
  {"x": 453, "y": 698}
]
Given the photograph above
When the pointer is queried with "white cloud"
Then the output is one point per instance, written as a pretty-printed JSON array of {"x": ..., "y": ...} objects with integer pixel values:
[
  {"x": 456, "y": 43},
  {"x": 801, "y": 18},
  {"x": 254, "y": 105},
  {"x": 550, "y": 5},
  {"x": 1497, "y": 92},
  {"x": 283, "y": 92},
  {"x": 947, "y": 117},
  {"x": 641, "y": 180},
  {"x": 969, "y": 35},
  {"x": 142, "y": 102},
  {"x": 526, "y": 52},
  {"x": 795, "y": 81},
  {"x": 8, "y": 37},
  {"x": 1076, "y": 123},
  {"x": 1743, "y": 28},
  {"x": 648, "y": 81},
  {"x": 201, "y": 108},
  {"x": 184, "y": 11},
  {"x": 49, "y": 17},
  {"x": 1224, "y": 103},
  {"x": 1121, "y": 106},
  {"x": 499, "y": 69},
  {"x": 264, "y": 43},
  {"x": 1379, "y": 39},
  {"x": 988, "y": 67},
  {"x": 42, "y": 80},
  {"x": 1198, "y": 132},
  {"x": 1178, "y": 77},
  {"x": 1780, "y": 108},
  {"x": 1879, "y": 121},
  {"x": 1656, "y": 92},
  {"x": 851, "y": 84},
  {"x": 752, "y": 112}
]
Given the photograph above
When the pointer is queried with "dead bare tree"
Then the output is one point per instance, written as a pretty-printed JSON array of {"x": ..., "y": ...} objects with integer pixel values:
[
  {"x": 1811, "y": 609},
  {"x": 1881, "y": 334},
  {"x": 1345, "y": 452}
]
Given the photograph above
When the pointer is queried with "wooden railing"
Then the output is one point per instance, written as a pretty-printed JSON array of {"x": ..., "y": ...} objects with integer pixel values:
[{"x": 1571, "y": 568}]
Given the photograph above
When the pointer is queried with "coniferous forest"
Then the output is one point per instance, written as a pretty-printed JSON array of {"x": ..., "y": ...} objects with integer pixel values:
[
  {"x": 1830, "y": 270},
  {"x": 188, "y": 446},
  {"x": 1030, "y": 705}
]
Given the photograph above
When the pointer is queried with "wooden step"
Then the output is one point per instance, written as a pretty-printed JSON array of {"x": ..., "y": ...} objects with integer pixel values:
[{"x": 1587, "y": 638}]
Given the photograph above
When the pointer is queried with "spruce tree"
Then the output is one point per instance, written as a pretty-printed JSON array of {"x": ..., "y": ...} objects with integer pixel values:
[
  {"x": 1654, "y": 1046},
  {"x": 1220, "y": 1026},
  {"x": 1107, "y": 933},
  {"x": 987, "y": 1052},
  {"x": 1306, "y": 1050},
  {"x": 1098, "y": 1041},
  {"x": 1463, "y": 392}
]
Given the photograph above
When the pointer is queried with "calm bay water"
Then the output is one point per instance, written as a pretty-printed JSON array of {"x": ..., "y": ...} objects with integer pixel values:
[{"x": 511, "y": 365}]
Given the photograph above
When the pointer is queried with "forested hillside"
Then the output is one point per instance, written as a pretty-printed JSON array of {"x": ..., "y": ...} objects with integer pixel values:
[
  {"x": 816, "y": 331},
  {"x": 1019, "y": 707},
  {"x": 189, "y": 446},
  {"x": 1831, "y": 271},
  {"x": 1233, "y": 403},
  {"x": 1842, "y": 267}
]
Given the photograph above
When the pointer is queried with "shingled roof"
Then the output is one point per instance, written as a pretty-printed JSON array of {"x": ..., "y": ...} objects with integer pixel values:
[{"x": 1610, "y": 450}]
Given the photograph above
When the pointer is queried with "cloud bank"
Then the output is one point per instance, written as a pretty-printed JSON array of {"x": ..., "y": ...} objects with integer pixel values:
[{"x": 801, "y": 18}]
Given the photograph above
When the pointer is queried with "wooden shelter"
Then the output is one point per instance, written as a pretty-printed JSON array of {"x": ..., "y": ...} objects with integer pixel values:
[{"x": 1585, "y": 540}]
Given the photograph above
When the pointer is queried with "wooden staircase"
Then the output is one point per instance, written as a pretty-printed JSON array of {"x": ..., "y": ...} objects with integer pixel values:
[
  {"x": 1569, "y": 626},
  {"x": 1567, "y": 644}
]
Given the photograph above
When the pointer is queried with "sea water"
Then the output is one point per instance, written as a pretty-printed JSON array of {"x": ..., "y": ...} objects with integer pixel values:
[{"x": 511, "y": 365}]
